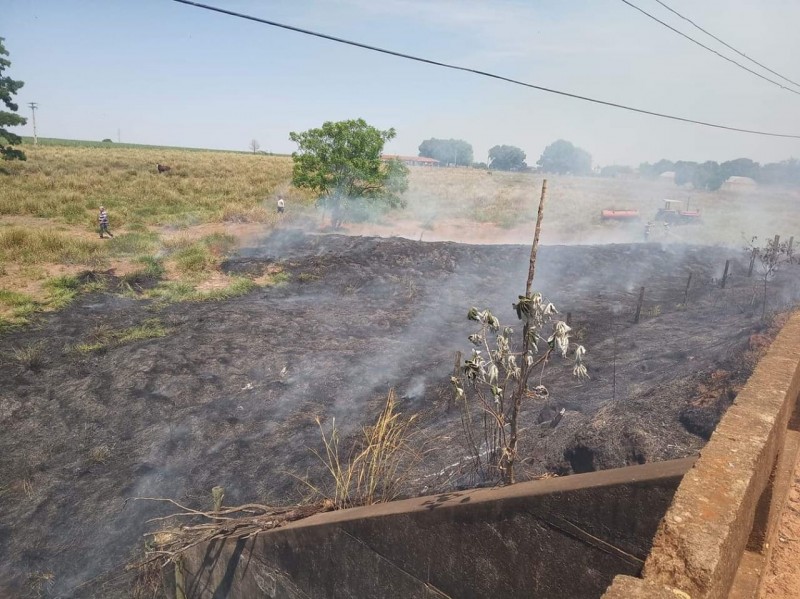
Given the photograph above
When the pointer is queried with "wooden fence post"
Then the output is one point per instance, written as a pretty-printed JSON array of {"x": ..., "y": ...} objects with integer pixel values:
[
  {"x": 725, "y": 274},
  {"x": 639, "y": 306}
]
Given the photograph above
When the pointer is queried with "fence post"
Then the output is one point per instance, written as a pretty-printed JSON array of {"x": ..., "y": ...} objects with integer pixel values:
[
  {"x": 725, "y": 274},
  {"x": 639, "y": 306}
]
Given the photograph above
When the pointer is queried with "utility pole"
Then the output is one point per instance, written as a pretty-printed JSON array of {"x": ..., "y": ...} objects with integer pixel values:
[{"x": 34, "y": 106}]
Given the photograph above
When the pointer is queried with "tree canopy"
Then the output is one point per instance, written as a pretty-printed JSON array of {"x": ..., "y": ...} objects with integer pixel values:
[
  {"x": 507, "y": 158},
  {"x": 563, "y": 157},
  {"x": 342, "y": 162},
  {"x": 447, "y": 151},
  {"x": 710, "y": 175},
  {"x": 9, "y": 88}
]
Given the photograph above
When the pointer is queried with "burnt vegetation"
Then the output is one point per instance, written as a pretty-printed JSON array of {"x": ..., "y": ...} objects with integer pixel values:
[{"x": 180, "y": 398}]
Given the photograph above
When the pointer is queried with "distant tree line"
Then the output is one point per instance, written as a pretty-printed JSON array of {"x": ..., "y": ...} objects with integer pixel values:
[
  {"x": 447, "y": 151},
  {"x": 711, "y": 175},
  {"x": 559, "y": 157}
]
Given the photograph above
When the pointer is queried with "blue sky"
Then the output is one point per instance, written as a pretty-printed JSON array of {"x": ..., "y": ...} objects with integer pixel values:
[{"x": 166, "y": 73}]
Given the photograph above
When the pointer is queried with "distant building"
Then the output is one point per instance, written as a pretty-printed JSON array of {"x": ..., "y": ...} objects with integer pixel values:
[
  {"x": 739, "y": 182},
  {"x": 411, "y": 160},
  {"x": 667, "y": 176}
]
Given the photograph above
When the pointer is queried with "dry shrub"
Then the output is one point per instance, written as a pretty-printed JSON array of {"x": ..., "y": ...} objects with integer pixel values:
[
  {"x": 30, "y": 357},
  {"x": 379, "y": 464}
]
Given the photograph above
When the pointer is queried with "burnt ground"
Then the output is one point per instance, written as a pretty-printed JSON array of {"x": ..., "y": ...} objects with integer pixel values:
[{"x": 229, "y": 396}]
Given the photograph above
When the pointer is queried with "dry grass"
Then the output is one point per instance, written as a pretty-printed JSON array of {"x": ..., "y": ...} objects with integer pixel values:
[
  {"x": 102, "y": 338},
  {"x": 444, "y": 200},
  {"x": 377, "y": 468},
  {"x": 68, "y": 183},
  {"x": 30, "y": 357},
  {"x": 48, "y": 208},
  {"x": 36, "y": 246}
]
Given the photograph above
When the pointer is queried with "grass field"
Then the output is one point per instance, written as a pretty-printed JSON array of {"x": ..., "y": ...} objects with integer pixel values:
[
  {"x": 187, "y": 220},
  {"x": 189, "y": 217}
]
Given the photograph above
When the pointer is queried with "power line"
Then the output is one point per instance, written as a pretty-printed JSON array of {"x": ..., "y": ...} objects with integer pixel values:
[
  {"x": 478, "y": 72},
  {"x": 702, "y": 45},
  {"x": 672, "y": 10}
]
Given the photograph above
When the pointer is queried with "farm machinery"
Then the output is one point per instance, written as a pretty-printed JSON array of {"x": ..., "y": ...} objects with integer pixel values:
[
  {"x": 619, "y": 215},
  {"x": 674, "y": 213}
]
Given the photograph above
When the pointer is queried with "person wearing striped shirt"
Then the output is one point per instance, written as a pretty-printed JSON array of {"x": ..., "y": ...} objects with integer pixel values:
[{"x": 102, "y": 218}]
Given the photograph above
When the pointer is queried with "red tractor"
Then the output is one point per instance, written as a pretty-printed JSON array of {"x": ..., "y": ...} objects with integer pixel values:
[{"x": 674, "y": 213}]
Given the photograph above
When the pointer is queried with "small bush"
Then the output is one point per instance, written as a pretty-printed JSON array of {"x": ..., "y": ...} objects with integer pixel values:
[{"x": 100, "y": 454}]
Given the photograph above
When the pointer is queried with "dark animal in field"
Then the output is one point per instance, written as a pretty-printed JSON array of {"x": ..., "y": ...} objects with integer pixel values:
[{"x": 162, "y": 168}]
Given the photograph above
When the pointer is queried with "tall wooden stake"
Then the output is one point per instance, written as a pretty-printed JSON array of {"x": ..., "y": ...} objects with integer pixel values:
[
  {"x": 752, "y": 262},
  {"x": 725, "y": 274},
  {"x": 508, "y": 459},
  {"x": 535, "y": 246}
]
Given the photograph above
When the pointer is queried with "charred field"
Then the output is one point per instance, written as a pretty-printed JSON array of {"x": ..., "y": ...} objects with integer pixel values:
[{"x": 228, "y": 391}]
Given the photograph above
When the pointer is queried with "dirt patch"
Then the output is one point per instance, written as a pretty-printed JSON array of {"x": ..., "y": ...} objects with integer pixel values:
[
  {"x": 229, "y": 396},
  {"x": 782, "y": 577}
]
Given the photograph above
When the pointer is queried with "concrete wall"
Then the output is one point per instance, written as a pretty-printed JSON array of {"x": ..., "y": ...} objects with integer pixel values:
[
  {"x": 564, "y": 537},
  {"x": 726, "y": 501}
]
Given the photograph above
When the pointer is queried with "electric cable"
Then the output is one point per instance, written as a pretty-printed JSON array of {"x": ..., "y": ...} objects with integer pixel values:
[
  {"x": 702, "y": 45},
  {"x": 708, "y": 33},
  {"x": 479, "y": 72}
]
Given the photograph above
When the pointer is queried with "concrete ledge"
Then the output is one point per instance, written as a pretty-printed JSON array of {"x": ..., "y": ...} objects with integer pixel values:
[
  {"x": 700, "y": 542},
  {"x": 563, "y": 537}
]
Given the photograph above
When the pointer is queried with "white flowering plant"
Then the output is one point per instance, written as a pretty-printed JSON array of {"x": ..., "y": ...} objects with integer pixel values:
[{"x": 495, "y": 378}]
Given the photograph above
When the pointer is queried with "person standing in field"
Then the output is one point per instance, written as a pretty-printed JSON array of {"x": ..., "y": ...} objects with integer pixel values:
[
  {"x": 281, "y": 205},
  {"x": 102, "y": 219}
]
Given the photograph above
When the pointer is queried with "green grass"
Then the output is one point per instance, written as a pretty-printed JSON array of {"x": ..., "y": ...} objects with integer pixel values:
[
  {"x": 82, "y": 143},
  {"x": 178, "y": 291},
  {"x": 21, "y": 307},
  {"x": 68, "y": 181},
  {"x": 195, "y": 257},
  {"x": 36, "y": 246},
  {"x": 103, "y": 338},
  {"x": 60, "y": 292},
  {"x": 133, "y": 243}
]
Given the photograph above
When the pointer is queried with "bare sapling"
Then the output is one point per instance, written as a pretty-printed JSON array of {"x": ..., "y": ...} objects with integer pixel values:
[
  {"x": 770, "y": 259},
  {"x": 496, "y": 376}
]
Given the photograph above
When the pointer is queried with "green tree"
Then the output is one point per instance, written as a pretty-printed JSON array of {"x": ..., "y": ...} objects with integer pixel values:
[
  {"x": 342, "y": 162},
  {"x": 786, "y": 172},
  {"x": 741, "y": 167},
  {"x": 654, "y": 170},
  {"x": 8, "y": 88},
  {"x": 447, "y": 151},
  {"x": 507, "y": 158},
  {"x": 563, "y": 157}
]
